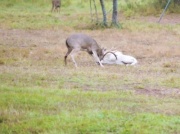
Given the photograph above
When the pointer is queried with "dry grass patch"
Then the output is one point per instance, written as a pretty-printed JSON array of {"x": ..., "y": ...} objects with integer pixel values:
[
  {"x": 38, "y": 94},
  {"x": 42, "y": 52}
]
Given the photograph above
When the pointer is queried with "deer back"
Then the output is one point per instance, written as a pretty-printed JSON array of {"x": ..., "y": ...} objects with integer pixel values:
[
  {"x": 56, "y": 3},
  {"x": 82, "y": 41}
]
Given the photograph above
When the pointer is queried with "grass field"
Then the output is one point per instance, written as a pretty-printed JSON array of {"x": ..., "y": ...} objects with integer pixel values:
[{"x": 39, "y": 95}]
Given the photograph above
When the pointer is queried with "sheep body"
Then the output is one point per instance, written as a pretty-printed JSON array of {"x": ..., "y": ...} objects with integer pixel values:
[{"x": 121, "y": 59}]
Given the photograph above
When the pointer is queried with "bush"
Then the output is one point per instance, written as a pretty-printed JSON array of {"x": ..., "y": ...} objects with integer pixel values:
[{"x": 148, "y": 7}]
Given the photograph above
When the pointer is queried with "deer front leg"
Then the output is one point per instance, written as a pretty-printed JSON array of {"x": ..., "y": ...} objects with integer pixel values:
[
  {"x": 97, "y": 58},
  {"x": 72, "y": 54}
]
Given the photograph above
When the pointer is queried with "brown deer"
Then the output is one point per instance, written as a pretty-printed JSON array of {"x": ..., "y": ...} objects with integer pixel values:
[
  {"x": 81, "y": 42},
  {"x": 56, "y": 4}
]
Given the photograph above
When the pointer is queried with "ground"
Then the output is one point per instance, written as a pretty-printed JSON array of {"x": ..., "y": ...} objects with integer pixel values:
[
  {"x": 156, "y": 49},
  {"x": 39, "y": 94}
]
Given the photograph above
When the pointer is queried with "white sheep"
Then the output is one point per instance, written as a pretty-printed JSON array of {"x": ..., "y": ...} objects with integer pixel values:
[{"x": 118, "y": 58}]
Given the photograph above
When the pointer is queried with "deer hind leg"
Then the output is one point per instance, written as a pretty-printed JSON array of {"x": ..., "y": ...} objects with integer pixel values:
[
  {"x": 65, "y": 57},
  {"x": 57, "y": 9},
  {"x": 97, "y": 58}
]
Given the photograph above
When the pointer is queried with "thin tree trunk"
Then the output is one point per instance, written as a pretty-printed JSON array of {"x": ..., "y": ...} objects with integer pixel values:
[
  {"x": 91, "y": 11},
  {"x": 115, "y": 14},
  {"x": 97, "y": 19},
  {"x": 104, "y": 13}
]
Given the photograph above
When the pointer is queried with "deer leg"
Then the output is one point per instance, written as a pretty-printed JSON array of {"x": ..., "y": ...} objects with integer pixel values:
[
  {"x": 65, "y": 57},
  {"x": 97, "y": 58},
  {"x": 74, "y": 51},
  {"x": 58, "y": 9}
]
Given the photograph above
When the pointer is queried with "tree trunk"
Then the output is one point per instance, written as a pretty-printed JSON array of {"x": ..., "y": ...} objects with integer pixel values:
[
  {"x": 104, "y": 13},
  {"x": 91, "y": 11},
  {"x": 115, "y": 14},
  {"x": 97, "y": 19}
]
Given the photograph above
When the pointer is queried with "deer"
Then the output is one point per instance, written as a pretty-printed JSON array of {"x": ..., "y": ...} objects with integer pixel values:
[
  {"x": 56, "y": 4},
  {"x": 82, "y": 42},
  {"x": 119, "y": 59}
]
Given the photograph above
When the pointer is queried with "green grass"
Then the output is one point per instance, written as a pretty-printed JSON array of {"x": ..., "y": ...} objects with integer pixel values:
[
  {"x": 32, "y": 14},
  {"x": 32, "y": 18},
  {"x": 34, "y": 99},
  {"x": 35, "y": 110},
  {"x": 39, "y": 95},
  {"x": 37, "y": 15}
]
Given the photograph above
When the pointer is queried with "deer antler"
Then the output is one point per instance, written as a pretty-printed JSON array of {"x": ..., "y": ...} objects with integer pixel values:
[{"x": 107, "y": 53}]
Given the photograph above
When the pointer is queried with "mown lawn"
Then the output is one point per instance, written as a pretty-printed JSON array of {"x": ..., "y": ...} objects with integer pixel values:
[
  {"x": 39, "y": 95},
  {"x": 37, "y": 110}
]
